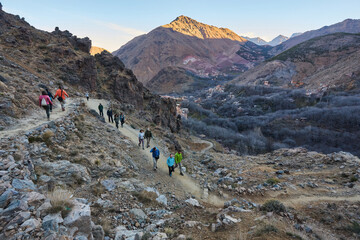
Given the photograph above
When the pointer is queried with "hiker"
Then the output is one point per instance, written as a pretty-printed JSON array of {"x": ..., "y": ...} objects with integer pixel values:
[
  {"x": 122, "y": 119},
  {"x": 87, "y": 96},
  {"x": 141, "y": 138},
  {"x": 60, "y": 93},
  {"x": 170, "y": 162},
  {"x": 101, "y": 108},
  {"x": 110, "y": 115},
  {"x": 44, "y": 102},
  {"x": 178, "y": 158},
  {"x": 51, "y": 98},
  {"x": 156, "y": 155},
  {"x": 117, "y": 119},
  {"x": 148, "y": 136}
]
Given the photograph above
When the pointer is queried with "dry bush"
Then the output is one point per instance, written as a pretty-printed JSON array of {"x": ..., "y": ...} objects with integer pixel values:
[
  {"x": 106, "y": 225},
  {"x": 273, "y": 206},
  {"x": 47, "y": 135},
  {"x": 60, "y": 200},
  {"x": 146, "y": 197}
]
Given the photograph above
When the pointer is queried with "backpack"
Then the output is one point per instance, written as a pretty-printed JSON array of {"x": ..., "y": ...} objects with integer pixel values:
[{"x": 43, "y": 102}]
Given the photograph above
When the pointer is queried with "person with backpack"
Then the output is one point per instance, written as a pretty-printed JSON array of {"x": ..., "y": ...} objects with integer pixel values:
[
  {"x": 60, "y": 93},
  {"x": 117, "y": 119},
  {"x": 122, "y": 119},
  {"x": 110, "y": 115},
  {"x": 44, "y": 102},
  {"x": 141, "y": 138},
  {"x": 170, "y": 162},
  {"x": 51, "y": 98},
  {"x": 156, "y": 155},
  {"x": 148, "y": 136},
  {"x": 178, "y": 159},
  {"x": 87, "y": 96},
  {"x": 101, "y": 109}
]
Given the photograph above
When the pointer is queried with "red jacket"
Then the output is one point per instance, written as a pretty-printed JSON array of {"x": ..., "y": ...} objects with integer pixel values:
[
  {"x": 58, "y": 94},
  {"x": 47, "y": 99}
]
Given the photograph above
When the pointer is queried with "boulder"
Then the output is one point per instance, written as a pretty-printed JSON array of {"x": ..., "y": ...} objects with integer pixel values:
[
  {"x": 80, "y": 217},
  {"x": 138, "y": 214},
  {"x": 66, "y": 171},
  {"x": 23, "y": 184},
  {"x": 98, "y": 232},
  {"x": 162, "y": 199},
  {"x": 122, "y": 233},
  {"x": 193, "y": 202},
  {"x": 31, "y": 224}
]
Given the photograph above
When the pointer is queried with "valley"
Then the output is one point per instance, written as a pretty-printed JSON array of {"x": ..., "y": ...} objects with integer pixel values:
[{"x": 269, "y": 134}]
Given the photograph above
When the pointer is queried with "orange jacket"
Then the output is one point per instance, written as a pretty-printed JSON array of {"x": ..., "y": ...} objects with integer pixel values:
[{"x": 58, "y": 94}]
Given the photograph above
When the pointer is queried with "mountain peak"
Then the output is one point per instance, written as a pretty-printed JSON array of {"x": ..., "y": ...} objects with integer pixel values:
[{"x": 191, "y": 27}]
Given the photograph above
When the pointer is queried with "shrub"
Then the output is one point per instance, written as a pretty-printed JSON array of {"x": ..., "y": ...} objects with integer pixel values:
[
  {"x": 353, "y": 179},
  {"x": 60, "y": 200},
  {"x": 272, "y": 181},
  {"x": 145, "y": 197},
  {"x": 265, "y": 230},
  {"x": 47, "y": 135},
  {"x": 354, "y": 227},
  {"x": 273, "y": 206}
]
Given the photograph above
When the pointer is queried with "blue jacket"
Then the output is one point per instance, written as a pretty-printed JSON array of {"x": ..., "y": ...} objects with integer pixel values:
[
  {"x": 170, "y": 161},
  {"x": 155, "y": 153}
]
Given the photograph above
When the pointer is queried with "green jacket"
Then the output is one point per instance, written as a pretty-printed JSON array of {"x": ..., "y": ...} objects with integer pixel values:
[{"x": 178, "y": 157}]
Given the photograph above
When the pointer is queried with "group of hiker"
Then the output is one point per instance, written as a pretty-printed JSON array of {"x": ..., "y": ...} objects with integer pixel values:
[
  {"x": 46, "y": 100},
  {"x": 118, "y": 118},
  {"x": 172, "y": 162}
]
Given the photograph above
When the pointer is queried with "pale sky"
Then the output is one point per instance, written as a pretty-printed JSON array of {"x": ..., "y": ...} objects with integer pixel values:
[{"x": 112, "y": 23}]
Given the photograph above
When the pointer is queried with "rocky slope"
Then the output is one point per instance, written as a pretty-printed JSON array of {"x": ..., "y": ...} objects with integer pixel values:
[
  {"x": 318, "y": 64},
  {"x": 202, "y": 49},
  {"x": 346, "y": 26},
  {"x": 31, "y": 59}
]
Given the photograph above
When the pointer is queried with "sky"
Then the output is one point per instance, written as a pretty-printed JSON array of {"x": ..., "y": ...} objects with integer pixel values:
[{"x": 112, "y": 23}]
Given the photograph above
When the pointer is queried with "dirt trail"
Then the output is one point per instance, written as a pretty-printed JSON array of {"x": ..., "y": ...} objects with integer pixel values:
[
  {"x": 188, "y": 184},
  {"x": 37, "y": 118}
]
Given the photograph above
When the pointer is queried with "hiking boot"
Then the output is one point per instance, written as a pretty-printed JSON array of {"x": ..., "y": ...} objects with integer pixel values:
[{"x": 181, "y": 174}]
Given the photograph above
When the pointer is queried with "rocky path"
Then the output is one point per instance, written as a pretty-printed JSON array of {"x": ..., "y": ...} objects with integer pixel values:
[
  {"x": 37, "y": 118},
  {"x": 185, "y": 183}
]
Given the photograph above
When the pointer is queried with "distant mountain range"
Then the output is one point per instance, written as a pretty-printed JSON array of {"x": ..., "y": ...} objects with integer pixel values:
[
  {"x": 276, "y": 41},
  {"x": 325, "y": 62},
  {"x": 346, "y": 26},
  {"x": 200, "y": 49}
]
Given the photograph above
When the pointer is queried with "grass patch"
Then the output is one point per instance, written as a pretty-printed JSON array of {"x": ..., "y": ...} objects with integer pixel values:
[
  {"x": 146, "y": 236},
  {"x": 353, "y": 179},
  {"x": 97, "y": 189},
  {"x": 354, "y": 227},
  {"x": 273, "y": 206},
  {"x": 60, "y": 200},
  {"x": 272, "y": 181},
  {"x": 145, "y": 197},
  {"x": 169, "y": 232},
  {"x": 265, "y": 230},
  {"x": 106, "y": 225},
  {"x": 294, "y": 236},
  {"x": 47, "y": 135}
]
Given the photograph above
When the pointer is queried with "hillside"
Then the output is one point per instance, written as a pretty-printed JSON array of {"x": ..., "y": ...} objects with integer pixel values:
[
  {"x": 95, "y": 50},
  {"x": 31, "y": 59},
  {"x": 346, "y": 26},
  {"x": 318, "y": 64},
  {"x": 204, "y": 50}
]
